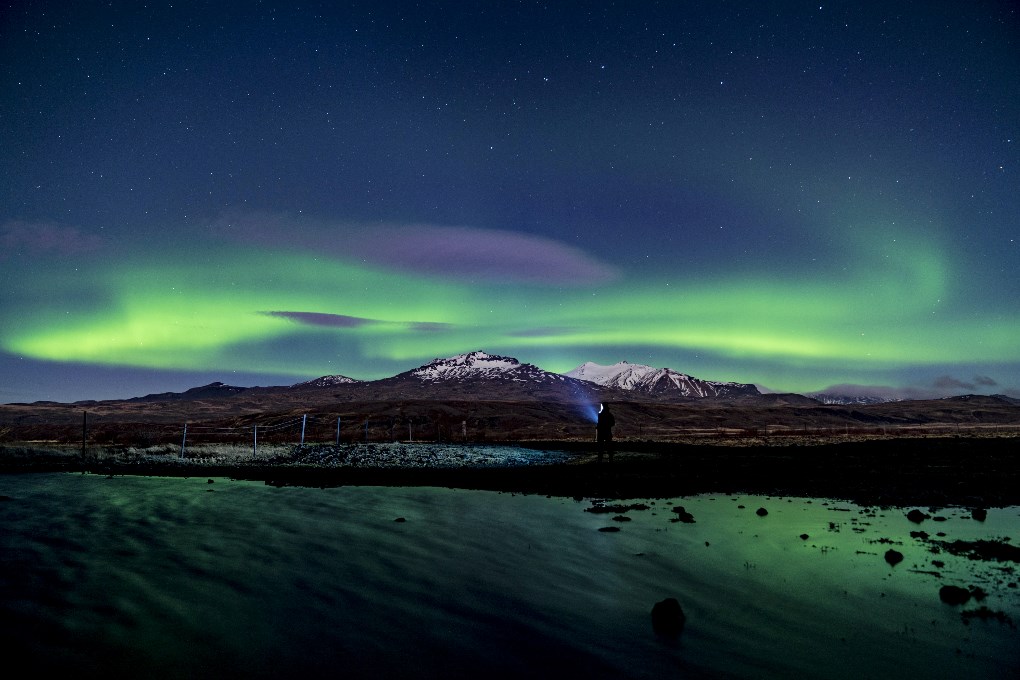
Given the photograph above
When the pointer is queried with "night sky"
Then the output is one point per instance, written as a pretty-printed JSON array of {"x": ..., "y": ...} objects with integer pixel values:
[{"x": 793, "y": 194}]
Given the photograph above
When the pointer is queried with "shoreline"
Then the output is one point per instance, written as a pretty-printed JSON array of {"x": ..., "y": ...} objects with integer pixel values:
[{"x": 951, "y": 471}]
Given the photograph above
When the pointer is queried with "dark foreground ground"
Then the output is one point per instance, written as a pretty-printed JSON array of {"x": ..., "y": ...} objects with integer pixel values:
[{"x": 965, "y": 471}]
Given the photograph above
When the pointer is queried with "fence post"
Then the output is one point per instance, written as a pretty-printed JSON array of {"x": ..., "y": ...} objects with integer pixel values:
[
  {"x": 184, "y": 440},
  {"x": 338, "y": 432},
  {"x": 366, "y": 431},
  {"x": 304, "y": 419},
  {"x": 254, "y": 440}
]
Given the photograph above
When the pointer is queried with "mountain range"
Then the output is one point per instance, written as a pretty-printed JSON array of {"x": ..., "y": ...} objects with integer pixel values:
[
  {"x": 491, "y": 376},
  {"x": 658, "y": 381},
  {"x": 492, "y": 398},
  {"x": 479, "y": 374}
]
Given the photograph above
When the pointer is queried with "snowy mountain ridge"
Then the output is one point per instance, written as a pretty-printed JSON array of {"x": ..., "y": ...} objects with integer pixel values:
[
  {"x": 328, "y": 381},
  {"x": 657, "y": 381},
  {"x": 479, "y": 365},
  {"x": 833, "y": 399}
]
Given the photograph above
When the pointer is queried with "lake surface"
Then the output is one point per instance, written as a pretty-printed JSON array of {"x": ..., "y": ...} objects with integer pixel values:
[{"x": 169, "y": 578}]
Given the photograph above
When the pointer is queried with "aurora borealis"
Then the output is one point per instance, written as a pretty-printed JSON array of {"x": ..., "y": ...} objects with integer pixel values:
[{"x": 791, "y": 194}]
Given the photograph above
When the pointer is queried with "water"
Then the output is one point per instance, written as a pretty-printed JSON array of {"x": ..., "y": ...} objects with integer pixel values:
[{"x": 171, "y": 578}]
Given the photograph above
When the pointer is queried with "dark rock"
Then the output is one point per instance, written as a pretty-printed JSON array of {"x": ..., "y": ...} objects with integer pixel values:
[
  {"x": 761, "y": 512},
  {"x": 923, "y": 535},
  {"x": 615, "y": 508},
  {"x": 998, "y": 550},
  {"x": 609, "y": 530},
  {"x": 682, "y": 515},
  {"x": 400, "y": 519},
  {"x": 210, "y": 481},
  {"x": 621, "y": 518},
  {"x": 979, "y": 514},
  {"x": 893, "y": 557},
  {"x": 668, "y": 617},
  {"x": 916, "y": 516},
  {"x": 804, "y": 537},
  {"x": 954, "y": 595},
  {"x": 986, "y": 614}
]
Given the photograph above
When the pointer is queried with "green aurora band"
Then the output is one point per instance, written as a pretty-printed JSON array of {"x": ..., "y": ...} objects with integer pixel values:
[{"x": 244, "y": 312}]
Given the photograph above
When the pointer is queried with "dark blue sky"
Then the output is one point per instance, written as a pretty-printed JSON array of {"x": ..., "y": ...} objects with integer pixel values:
[{"x": 792, "y": 194}]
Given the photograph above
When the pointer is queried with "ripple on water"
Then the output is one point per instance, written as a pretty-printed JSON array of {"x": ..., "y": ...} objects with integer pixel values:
[{"x": 160, "y": 577}]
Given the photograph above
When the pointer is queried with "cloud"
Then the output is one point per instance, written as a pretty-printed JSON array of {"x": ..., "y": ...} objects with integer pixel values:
[
  {"x": 542, "y": 332},
  {"x": 483, "y": 254},
  {"x": 985, "y": 380},
  {"x": 950, "y": 383},
  {"x": 462, "y": 253},
  {"x": 44, "y": 238},
  {"x": 322, "y": 319},
  {"x": 326, "y": 320},
  {"x": 429, "y": 326}
]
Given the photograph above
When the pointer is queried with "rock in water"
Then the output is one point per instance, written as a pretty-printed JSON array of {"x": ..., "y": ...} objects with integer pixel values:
[
  {"x": 668, "y": 617},
  {"x": 916, "y": 516},
  {"x": 761, "y": 512},
  {"x": 954, "y": 595},
  {"x": 893, "y": 557},
  {"x": 682, "y": 515},
  {"x": 979, "y": 514}
]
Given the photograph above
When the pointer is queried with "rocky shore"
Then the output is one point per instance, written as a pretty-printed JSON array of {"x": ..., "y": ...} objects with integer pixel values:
[{"x": 964, "y": 471}]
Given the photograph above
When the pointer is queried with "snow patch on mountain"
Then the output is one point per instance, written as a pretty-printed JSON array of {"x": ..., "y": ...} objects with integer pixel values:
[
  {"x": 328, "y": 381},
  {"x": 479, "y": 365},
  {"x": 660, "y": 381},
  {"x": 831, "y": 399}
]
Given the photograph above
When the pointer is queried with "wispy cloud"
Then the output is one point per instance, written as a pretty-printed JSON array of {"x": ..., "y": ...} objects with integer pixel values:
[
  {"x": 429, "y": 326},
  {"x": 44, "y": 238},
  {"x": 327, "y": 320},
  {"x": 462, "y": 253},
  {"x": 323, "y": 319},
  {"x": 483, "y": 254},
  {"x": 542, "y": 332},
  {"x": 948, "y": 382}
]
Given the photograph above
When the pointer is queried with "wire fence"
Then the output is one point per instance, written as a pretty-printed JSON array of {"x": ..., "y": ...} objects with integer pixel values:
[
  {"x": 295, "y": 430},
  {"x": 207, "y": 433},
  {"x": 261, "y": 434}
]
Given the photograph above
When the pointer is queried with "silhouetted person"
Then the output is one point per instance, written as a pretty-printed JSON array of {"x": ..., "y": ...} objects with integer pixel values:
[{"x": 604, "y": 432}]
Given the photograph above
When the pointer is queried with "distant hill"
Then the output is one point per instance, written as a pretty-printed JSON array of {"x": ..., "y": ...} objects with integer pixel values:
[
  {"x": 848, "y": 399},
  {"x": 327, "y": 381},
  {"x": 215, "y": 390}
]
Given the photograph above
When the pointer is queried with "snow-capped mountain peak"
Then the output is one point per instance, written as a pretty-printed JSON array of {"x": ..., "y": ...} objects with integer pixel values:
[
  {"x": 659, "y": 381},
  {"x": 479, "y": 366},
  {"x": 475, "y": 365},
  {"x": 328, "y": 381}
]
